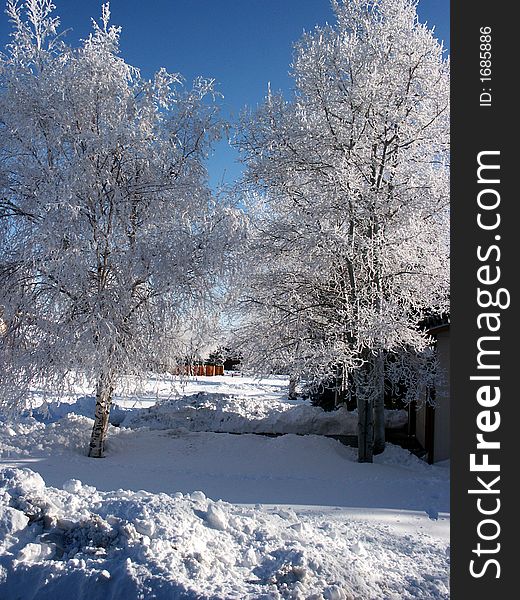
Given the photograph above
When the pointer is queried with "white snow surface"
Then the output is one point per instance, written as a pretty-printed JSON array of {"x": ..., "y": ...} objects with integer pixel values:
[{"x": 177, "y": 513}]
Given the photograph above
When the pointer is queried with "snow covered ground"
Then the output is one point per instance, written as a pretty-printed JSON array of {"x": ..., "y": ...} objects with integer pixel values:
[{"x": 289, "y": 517}]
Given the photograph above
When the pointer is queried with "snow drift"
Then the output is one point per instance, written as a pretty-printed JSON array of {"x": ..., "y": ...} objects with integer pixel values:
[
  {"x": 82, "y": 543},
  {"x": 227, "y": 413}
]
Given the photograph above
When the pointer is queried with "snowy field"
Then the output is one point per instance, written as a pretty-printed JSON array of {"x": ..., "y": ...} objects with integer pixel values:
[{"x": 177, "y": 510}]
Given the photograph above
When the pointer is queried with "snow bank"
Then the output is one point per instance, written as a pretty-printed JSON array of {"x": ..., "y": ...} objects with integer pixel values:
[
  {"x": 30, "y": 437},
  {"x": 78, "y": 542},
  {"x": 232, "y": 413},
  {"x": 84, "y": 406},
  {"x": 219, "y": 404}
]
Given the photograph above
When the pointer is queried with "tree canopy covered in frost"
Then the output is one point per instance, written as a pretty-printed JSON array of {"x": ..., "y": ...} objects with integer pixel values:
[
  {"x": 351, "y": 249},
  {"x": 112, "y": 248}
]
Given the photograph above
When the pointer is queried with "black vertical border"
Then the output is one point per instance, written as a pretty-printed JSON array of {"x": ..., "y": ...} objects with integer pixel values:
[{"x": 475, "y": 129}]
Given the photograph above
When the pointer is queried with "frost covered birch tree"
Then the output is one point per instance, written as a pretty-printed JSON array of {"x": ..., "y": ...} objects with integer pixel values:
[
  {"x": 112, "y": 247},
  {"x": 351, "y": 248}
]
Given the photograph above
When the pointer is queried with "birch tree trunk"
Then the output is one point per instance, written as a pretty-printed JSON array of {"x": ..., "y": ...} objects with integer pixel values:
[
  {"x": 378, "y": 381},
  {"x": 104, "y": 393}
]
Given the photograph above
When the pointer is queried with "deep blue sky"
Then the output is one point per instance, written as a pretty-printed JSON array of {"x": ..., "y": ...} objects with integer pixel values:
[{"x": 243, "y": 44}]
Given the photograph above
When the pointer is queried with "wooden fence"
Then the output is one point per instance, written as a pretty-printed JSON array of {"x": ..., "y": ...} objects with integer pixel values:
[{"x": 205, "y": 370}]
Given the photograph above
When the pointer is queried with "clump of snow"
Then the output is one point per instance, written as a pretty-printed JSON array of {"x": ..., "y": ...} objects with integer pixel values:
[
  {"x": 82, "y": 543},
  {"x": 395, "y": 455},
  {"x": 11, "y": 521},
  {"x": 216, "y": 518},
  {"x": 72, "y": 486}
]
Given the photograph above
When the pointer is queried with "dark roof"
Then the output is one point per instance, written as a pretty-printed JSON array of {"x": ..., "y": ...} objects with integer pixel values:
[{"x": 436, "y": 323}]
